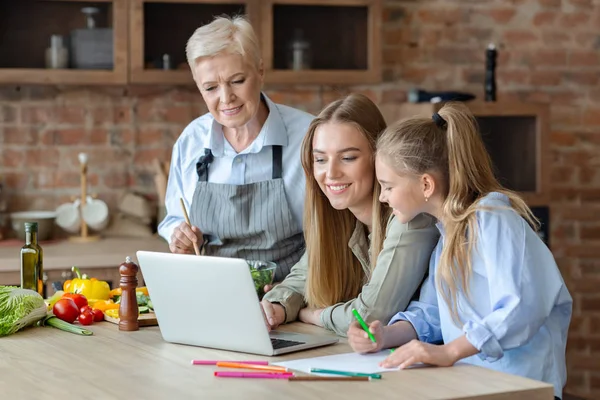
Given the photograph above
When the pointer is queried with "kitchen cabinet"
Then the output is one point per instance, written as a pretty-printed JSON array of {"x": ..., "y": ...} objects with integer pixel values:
[
  {"x": 515, "y": 134},
  {"x": 343, "y": 37},
  {"x": 149, "y": 39},
  {"x": 27, "y": 26},
  {"x": 159, "y": 31}
]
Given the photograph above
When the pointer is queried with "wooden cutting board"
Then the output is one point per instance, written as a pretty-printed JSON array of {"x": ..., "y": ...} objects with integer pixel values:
[{"x": 148, "y": 319}]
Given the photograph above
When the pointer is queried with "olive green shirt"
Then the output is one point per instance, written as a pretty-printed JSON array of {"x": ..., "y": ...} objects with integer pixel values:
[{"x": 400, "y": 270}]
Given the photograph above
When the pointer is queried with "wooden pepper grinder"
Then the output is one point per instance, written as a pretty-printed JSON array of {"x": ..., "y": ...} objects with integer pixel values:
[{"x": 128, "y": 309}]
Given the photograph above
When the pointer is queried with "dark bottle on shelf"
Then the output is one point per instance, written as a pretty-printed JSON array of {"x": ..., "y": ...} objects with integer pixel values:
[
  {"x": 490, "y": 73},
  {"x": 32, "y": 255}
]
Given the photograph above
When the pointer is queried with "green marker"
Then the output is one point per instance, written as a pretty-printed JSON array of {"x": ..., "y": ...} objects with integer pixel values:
[
  {"x": 363, "y": 324},
  {"x": 344, "y": 373}
]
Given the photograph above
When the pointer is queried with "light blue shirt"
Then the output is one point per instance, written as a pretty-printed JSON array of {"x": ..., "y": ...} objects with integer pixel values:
[
  {"x": 285, "y": 126},
  {"x": 520, "y": 308}
]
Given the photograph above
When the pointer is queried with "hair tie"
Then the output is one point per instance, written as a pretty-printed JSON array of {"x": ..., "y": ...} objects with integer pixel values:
[{"x": 439, "y": 121}]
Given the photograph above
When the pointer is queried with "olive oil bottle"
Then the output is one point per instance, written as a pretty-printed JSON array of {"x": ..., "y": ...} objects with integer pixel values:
[{"x": 32, "y": 269}]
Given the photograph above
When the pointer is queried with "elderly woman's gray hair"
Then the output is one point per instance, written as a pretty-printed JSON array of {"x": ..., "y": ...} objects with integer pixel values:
[{"x": 224, "y": 35}]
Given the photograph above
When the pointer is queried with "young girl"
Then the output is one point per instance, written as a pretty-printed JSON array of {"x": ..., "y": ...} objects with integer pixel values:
[
  {"x": 356, "y": 255},
  {"x": 494, "y": 295}
]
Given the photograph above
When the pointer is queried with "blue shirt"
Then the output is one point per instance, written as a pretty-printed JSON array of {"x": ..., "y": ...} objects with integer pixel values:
[
  {"x": 285, "y": 126},
  {"x": 520, "y": 308}
]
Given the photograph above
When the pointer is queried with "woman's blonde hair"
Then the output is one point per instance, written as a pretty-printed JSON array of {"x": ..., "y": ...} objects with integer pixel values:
[
  {"x": 224, "y": 35},
  {"x": 452, "y": 149},
  {"x": 334, "y": 274}
]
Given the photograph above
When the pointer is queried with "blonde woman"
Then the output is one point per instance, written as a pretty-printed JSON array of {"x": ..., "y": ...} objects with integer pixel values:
[
  {"x": 356, "y": 254},
  {"x": 494, "y": 295},
  {"x": 238, "y": 166}
]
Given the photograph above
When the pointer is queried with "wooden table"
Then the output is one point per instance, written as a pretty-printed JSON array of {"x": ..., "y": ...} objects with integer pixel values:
[{"x": 46, "y": 363}]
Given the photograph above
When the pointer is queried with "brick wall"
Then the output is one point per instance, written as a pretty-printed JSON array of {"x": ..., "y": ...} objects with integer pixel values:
[{"x": 549, "y": 53}]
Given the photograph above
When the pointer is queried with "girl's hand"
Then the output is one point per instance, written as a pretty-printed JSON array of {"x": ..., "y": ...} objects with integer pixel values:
[
  {"x": 183, "y": 237},
  {"x": 415, "y": 352},
  {"x": 359, "y": 339}
]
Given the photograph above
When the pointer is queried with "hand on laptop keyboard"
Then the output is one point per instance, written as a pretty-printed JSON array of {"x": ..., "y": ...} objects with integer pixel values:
[{"x": 274, "y": 314}]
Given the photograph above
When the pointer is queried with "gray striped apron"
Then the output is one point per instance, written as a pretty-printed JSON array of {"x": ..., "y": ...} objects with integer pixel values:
[{"x": 251, "y": 221}]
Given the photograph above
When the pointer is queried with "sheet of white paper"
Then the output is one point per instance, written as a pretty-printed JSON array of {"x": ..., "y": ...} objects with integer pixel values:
[{"x": 350, "y": 362}]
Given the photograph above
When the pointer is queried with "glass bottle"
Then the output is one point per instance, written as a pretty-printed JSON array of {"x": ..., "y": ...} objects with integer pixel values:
[
  {"x": 299, "y": 52},
  {"x": 57, "y": 55},
  {"x": 32, "y": 270},
  {"x": 490, "y": 73}
]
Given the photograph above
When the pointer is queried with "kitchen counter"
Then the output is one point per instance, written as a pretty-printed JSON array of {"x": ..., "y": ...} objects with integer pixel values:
[
  {"x": 46, "y": 363},
  {"x": 64, "y": 254},
  {"x": 99, "y": 259}
]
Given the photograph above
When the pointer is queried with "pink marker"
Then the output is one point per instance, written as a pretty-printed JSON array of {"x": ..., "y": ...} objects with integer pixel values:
[
  {"x": 213, "y": 362},
  {"x": 260, "y": 375}
]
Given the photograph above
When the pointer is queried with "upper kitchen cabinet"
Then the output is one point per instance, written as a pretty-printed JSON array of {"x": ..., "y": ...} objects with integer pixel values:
[
  {"x": 321, "y": 41},
  {"x": 159, "y": 31},
  {"x": 143, "y": 41},
  {"x": 63, "y": 42}
]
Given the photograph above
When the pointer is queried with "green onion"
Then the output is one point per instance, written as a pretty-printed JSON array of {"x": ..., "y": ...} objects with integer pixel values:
[{"x": 55, "y": 322}]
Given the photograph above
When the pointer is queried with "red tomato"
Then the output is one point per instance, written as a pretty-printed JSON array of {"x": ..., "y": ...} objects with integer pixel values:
[
  {"x": 86, "y": 318},
  {"x": 98, "y": 315},
  {"x": 84, "y": 309},
  {"x": 66, "y": 309},
  {"x": 79, "y": 299}
]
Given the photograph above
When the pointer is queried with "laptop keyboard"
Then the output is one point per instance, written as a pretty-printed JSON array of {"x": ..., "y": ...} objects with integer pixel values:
[{"x": 280, "y": 343}]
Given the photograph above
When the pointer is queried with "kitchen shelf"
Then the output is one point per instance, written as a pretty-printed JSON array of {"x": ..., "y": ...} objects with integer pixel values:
[
  {"x": 515, "y": 135},
  {"x": 344, "y": 38},
  {"x": 163, "y": 27},
  {"x": 22, "y": 48}
]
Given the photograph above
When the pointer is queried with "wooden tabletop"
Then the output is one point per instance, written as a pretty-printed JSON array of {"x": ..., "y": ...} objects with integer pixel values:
[
  {"x": 107, "y": 252},
  {"x": 46, "y": 363}
]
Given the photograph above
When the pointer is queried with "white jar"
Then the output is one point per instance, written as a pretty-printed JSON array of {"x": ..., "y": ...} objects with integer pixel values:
[{"x": 57, "y": 55}]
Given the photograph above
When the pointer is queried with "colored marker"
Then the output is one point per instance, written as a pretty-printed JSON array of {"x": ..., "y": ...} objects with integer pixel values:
[
  {"x": 329, "y": 378},
  {"x": 259, "y": 375},
  {"x": 363, "y": 324},
  {"x": 250, "y": 366},
  {"x": 214, "y": 362},
  {"x": 344, "y": 373}
]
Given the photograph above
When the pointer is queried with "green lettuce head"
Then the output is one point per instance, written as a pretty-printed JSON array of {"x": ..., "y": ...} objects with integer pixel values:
[{"x": 19, "y": 308}]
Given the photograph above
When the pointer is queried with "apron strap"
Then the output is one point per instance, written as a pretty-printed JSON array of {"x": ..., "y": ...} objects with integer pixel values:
[
  {"x": 203, "y": 164},
  {"x": 277, "y": 162},
  {"x": 205, "y": 160}
]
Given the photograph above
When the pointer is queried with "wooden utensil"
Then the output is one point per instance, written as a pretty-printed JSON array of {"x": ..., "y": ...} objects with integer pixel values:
[
  {"x": 143, "y": 319},
  {"x": 187, "y": 220},
  {"x": 84, "y": 236}
]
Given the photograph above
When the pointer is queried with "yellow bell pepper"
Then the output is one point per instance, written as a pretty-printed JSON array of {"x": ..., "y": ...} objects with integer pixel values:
[
  {"x": 112, "y": 313},
  {"x": 90, "y": 288},
  {"x": 104, "y": 305},
  {"x": 118, "y": 292}
]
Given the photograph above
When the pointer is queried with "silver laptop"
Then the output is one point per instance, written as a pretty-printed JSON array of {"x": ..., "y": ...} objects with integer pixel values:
[{"x": 212, "y": 302}]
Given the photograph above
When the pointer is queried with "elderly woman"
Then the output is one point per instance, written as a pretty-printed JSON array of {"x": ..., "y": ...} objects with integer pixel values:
[{"x": 238, "y": 166}]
